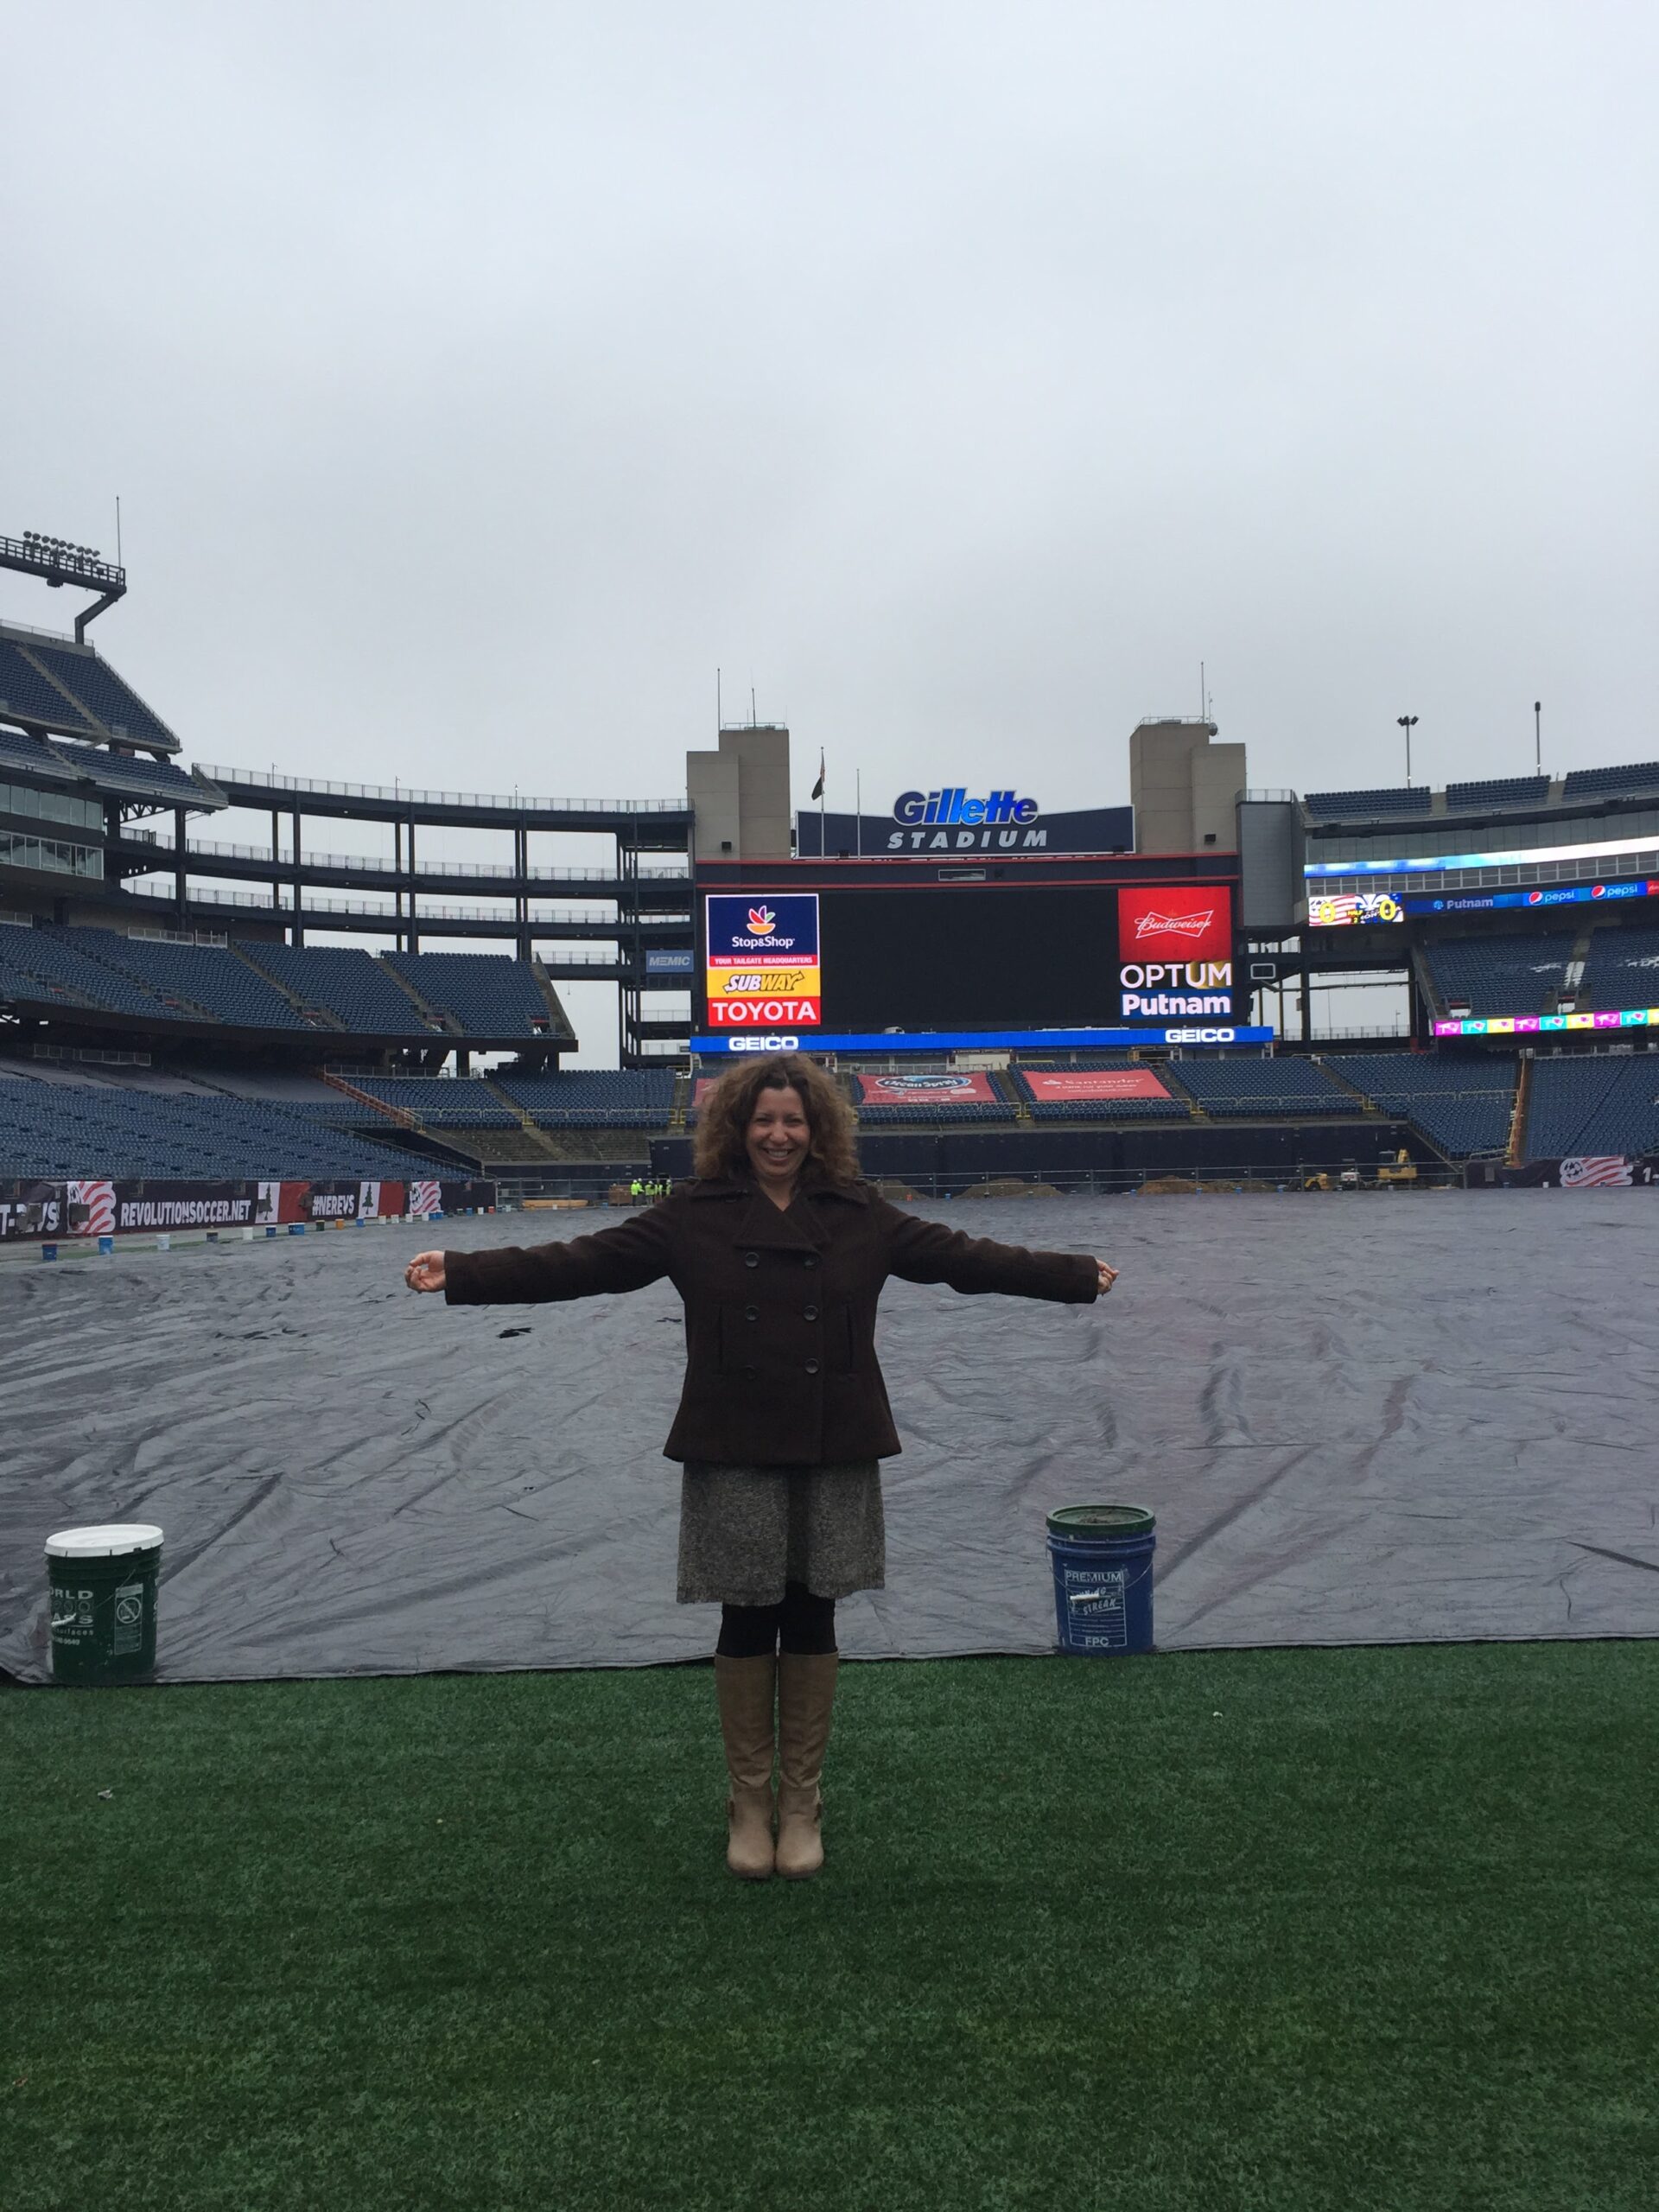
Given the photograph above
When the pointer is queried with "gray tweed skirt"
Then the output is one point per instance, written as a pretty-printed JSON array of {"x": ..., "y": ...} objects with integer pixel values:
[{"x": 745, "y": 1531}]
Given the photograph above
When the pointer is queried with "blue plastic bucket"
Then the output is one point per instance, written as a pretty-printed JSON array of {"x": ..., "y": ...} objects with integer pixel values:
[{"x": 1102, "y": 1557}]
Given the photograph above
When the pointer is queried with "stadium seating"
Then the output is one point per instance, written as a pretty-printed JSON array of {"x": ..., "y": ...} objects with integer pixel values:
[
  {"x": 1361, "y": 806},
  {"x": 32, "y": 754},
  {"x": 441, "y": 1102},
  {"x": 344, "y": 981},
  {"x": 56, "y": 1130},
  {"x": 209, "y": 976},
  {"x": 489, "y": 996},
  {"x": 1599, "y": 1103},
  {"x": 1589, "y": 782},
  {"x": 1503, "y": 791},
  {"x": 26, "y": 694},
  {"x": 45, "y": 964},
  {"x": 1621, "y": 968},
  {"x": 112, "y": 700},
  {"x": 133, "y": 773},
  {"x": 1463, "y": 1104},
  {"x": 619, "y": 1098},
  {"x": 1500, "y": 975},
  {"x": 1285, "y": 1085}
]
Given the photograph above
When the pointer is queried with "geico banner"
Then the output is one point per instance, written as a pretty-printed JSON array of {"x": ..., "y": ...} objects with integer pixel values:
[
  {"x": 1175, "y": 952},
  {"x": 762, "y": 967}
]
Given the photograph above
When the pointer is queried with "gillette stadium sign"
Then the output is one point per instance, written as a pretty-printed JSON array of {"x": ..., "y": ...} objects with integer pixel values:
[{"x": 1175, "y": 953}]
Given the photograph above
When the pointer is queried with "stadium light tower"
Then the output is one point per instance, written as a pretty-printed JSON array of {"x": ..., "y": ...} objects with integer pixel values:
[
  {"x": 1538, "y": 735},
  {"x": 1407, "y": 722},
  {"x": 57, "y": 563}
]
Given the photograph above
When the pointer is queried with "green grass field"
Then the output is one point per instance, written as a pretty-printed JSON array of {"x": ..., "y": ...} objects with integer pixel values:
[{"x": 1346, "y": 1929}]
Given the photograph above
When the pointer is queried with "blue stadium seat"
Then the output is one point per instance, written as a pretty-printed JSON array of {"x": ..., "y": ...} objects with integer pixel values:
[
  {"x": 1463, "y": 1103},
  {"x": 1503, "y": 791},
  {"x": 1599, "y": 1104},
  {"x": 1363, "y": 806},
  {"x": 46, "y": 965},
  {"x": 613, "y": 1098},
  {"x": 344, "y": 981},
  {"x": 26, "y": 695},
  {"x": 134, "y": 775},
  {"x": 1591, "y": 783},
  {"x": 109, "y": 697},
  {"x": 32, "y": 754},
  {"x": 1284, "y": 1086},
  {"x": 488, "y": 994},
  {"x": 208, "y": 976},
  {"x": 100, "y": 1129},
  {"x": 1500, "y": 975},
  {"x": 1621, "y": 968},
  {"x": 442, "y": 1102}
]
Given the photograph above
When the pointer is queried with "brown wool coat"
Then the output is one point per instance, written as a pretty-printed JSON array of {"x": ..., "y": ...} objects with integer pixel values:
[{"x": 779, "y": 1306}]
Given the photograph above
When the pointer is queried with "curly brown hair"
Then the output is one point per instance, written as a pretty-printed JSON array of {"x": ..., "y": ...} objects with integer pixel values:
[{"x": 724, "y": 1117}]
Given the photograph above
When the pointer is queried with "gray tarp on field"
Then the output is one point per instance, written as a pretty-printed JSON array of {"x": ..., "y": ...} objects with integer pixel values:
[{"x": 1360, "y": 1419}]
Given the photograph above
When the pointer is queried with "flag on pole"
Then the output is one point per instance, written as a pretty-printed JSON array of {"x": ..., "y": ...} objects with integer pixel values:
[{"x": 818, "y": 788}]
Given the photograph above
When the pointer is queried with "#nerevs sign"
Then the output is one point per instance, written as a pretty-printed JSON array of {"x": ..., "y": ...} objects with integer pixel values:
[{"x": 1175, "y": 950}]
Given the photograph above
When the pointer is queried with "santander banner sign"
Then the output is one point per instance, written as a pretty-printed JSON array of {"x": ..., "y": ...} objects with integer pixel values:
[{"x": 1175, "y": 951}]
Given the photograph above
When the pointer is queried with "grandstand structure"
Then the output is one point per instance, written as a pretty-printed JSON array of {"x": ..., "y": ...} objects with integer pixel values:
[{"x": 166, "y": 1009}]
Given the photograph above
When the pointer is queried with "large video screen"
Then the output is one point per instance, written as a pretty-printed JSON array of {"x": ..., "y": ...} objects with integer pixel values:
[{"x": 977, "y": 956}]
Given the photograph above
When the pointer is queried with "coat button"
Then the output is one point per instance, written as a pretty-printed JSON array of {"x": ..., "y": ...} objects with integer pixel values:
[
  {"x": 810, "y": 1259},
  {"x": 751, "y": 1259},
  {"x": 811, "y": 1366},
  {"x": 809, "y": 1312},
  {"x": 751, "y": 1313}
]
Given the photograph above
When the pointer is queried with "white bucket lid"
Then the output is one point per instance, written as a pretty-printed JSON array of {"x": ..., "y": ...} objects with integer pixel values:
[{"x": 104, "y": 1543}]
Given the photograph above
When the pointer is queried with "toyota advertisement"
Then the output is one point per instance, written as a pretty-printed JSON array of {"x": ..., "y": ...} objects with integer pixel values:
[
  {"x": 761, "y": 961},
  {"x": 1175, "y": 953}
]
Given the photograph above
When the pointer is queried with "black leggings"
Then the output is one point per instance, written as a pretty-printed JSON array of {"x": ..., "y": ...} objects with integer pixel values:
[{"x": 803, "y": 1623}]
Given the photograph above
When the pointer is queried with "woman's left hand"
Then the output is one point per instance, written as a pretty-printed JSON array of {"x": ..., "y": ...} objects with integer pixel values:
[{"x": 1108, "y": 1276}]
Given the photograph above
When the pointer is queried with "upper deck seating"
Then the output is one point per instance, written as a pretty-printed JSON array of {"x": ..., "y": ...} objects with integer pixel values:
[
  {"x": 1463, "y": 1103},
  {"x": 350, "y": 984},
  {"x": 615, "y": 1098},
  {"x": 1283, "y": 1086},
  {"x": 208, "y": 976},
  {"x": 488, "y": 994},
  {"x": 1599, "y": 1103}
]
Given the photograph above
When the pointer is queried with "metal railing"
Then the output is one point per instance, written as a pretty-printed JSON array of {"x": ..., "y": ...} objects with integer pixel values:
[
  {"x": 542, "y": 919},
  {"x": 207, "y": 849},
  {"x": 409, "y": 794}
]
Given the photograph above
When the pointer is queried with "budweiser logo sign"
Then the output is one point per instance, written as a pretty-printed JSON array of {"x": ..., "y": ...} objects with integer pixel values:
[{"x": 1192, "y": 925}]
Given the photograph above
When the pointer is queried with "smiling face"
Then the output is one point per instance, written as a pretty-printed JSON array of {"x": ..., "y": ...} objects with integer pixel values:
[{"x": 778, "y": 1137}]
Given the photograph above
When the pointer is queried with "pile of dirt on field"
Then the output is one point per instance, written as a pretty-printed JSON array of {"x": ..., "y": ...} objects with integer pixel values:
[
  {"x": 1007, "y": 1187},
  {"x": 1162, "y": 1186}
]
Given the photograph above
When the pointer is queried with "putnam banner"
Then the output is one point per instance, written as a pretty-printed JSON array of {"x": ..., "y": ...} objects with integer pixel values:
[
  {"x": 965, "y": 1088},
  {"x": 1175, "y": 950},
  {"x": 761, "y": 963},
  {"x": 1051, "y": 1086}
]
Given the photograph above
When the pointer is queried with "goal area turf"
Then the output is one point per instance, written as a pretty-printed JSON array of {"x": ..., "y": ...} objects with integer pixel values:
[{"x": 1364, "y": 1931}]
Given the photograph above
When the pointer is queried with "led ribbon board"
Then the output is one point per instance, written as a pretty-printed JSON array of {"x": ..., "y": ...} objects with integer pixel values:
[
  {"x": 761, "y": 961},
  {"x": 1539, "y": 1025}
]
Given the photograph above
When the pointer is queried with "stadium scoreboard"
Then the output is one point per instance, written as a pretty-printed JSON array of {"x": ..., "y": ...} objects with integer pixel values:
[{"x": 892, "y": 947}]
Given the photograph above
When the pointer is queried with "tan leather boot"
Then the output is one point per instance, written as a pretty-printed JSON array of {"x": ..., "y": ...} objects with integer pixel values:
[
  {"x": 806, "y": 1693},
  {"x": 744, "y": 1689}
]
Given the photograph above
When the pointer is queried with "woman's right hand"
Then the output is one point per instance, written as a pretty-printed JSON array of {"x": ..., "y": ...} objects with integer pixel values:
[{"x": 425, "y": 1271}]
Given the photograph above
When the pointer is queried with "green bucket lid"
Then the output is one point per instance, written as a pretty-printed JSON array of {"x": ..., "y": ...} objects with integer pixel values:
[{"x": 1087, "y": 1521}]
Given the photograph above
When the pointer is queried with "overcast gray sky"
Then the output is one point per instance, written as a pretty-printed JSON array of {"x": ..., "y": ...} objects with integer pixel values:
[{"x": 476, "y": 379}]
